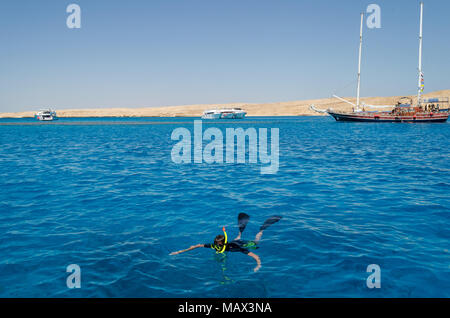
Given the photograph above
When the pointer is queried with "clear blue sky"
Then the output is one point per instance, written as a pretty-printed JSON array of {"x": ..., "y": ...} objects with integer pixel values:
[{"x": 141, "y": 53}]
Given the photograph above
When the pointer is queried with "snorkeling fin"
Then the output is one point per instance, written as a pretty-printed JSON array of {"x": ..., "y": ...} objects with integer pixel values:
[
  {"x": 242, "y": 221},
  {"x": 269, "y": 222}
]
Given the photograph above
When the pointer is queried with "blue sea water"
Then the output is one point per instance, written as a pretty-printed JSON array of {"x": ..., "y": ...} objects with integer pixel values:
[{"x": 105, "y": 194}]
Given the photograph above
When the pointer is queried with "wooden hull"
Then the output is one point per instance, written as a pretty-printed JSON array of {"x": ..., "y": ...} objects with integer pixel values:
[{"x": 390, "y": 118}]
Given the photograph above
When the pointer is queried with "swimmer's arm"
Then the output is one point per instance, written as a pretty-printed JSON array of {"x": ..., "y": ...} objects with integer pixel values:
[
  {"x": 188, "y": 249},
  {"x": 258, "y": 261}
]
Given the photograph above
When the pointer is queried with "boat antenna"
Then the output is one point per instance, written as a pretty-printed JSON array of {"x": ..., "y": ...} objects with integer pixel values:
[
  {"x": 420, "y": 85},
  {"x": 359, "y": 62}
]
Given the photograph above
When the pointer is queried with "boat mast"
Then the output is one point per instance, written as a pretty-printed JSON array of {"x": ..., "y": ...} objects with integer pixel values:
[
  {"x": 419, "y": 86},
  {"x": 359, "y": 62}
]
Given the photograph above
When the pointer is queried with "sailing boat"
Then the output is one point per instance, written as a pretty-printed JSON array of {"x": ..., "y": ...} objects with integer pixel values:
[{"x": 425, "y": 110}]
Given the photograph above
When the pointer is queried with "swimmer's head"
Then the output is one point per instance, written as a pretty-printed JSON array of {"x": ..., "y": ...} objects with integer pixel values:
[{"x": 219, "y": 240}]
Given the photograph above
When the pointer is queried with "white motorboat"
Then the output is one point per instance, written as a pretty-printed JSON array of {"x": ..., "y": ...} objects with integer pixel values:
[
  {"x": 46, "y": 115},
  {"x": 226, "y": 113}
]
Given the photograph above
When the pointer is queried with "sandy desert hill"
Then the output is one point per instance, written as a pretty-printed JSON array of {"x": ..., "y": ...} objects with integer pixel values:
[{"x": 293, "y": 108}]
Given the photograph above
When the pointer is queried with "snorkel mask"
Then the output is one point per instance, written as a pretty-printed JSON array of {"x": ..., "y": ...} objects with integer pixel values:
[{"x": 221, "y": 249}]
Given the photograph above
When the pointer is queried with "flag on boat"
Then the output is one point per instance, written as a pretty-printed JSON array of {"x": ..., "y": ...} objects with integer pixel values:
[{"x": 422, "y": 82}]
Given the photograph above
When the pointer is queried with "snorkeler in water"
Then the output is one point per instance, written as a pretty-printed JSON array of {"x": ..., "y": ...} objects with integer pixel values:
[{"x": 221, "y": 243}]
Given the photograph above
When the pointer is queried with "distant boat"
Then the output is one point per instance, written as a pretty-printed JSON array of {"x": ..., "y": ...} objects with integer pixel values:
[
  {"x": 425, "y": 110},
  {"x": 232, "y": 113},
  {"x": 45, "y": 115}
]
